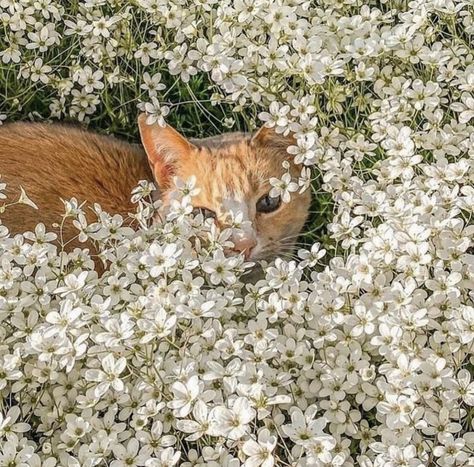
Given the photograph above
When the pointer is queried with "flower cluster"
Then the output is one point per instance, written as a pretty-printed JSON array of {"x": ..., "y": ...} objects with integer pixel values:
[{"x": 359, "y": 353}]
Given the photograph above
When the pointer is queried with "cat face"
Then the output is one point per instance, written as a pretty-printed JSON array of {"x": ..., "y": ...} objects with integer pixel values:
[{"x": 233, "y": 171}]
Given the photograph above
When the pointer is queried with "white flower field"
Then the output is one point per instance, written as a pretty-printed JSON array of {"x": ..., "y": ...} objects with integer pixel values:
[{"x": 358, "y": 350}]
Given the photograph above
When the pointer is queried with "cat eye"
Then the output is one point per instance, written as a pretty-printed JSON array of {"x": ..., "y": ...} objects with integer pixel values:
[
  {"x": 268, "y": 203},
  {"x": 206, "y": 213}
]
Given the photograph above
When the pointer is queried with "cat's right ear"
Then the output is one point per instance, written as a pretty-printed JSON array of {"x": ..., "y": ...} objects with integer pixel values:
[
  {"x": 164, "y": 147},
  {"x": 266, "y": 136}
]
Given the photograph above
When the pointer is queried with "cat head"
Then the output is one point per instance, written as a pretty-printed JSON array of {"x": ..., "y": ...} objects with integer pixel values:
[{"x": 233, "y": 172}]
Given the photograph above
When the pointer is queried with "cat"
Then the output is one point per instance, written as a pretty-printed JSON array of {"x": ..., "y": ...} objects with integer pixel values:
[{"x": 54, "y": 161}]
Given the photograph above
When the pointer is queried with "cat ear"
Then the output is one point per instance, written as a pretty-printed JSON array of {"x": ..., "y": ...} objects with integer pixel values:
[
  {"x": 266, "y": 136},
  {"x": 164, "y": 146}
]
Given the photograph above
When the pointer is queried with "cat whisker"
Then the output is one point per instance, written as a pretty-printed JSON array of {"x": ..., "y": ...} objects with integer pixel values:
[
  {"x": 285, "y": 248},
  {"x": 288, "y": 256},
  {"x": 288, "y": 238},
  {"x": 278, "y": 249}
]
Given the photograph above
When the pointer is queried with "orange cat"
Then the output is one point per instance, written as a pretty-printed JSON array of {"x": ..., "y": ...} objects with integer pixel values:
[{"x": 233, "y": 171}]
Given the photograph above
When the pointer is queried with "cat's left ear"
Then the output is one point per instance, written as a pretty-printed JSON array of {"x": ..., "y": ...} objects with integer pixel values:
[
  {"x": 266, "y": 136},
  {"x": 164, "y": 147}
]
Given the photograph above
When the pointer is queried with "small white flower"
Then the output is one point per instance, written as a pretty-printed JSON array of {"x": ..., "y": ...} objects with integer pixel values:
[
  {"x": 283, "y": 187},
  {"x": 260, "y": 452},
  {"x": 232, "y": 423},
  {"x": 184, "y": 396},
  {"x": 109, "y": 376},
  {"x": 465, "y": 107},
  {"x": 221, "y": 268},
  {"x": 156, "y": 112}
]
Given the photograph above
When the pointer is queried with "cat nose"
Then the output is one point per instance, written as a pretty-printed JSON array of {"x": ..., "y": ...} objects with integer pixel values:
[{"x": 244, "y": 245}]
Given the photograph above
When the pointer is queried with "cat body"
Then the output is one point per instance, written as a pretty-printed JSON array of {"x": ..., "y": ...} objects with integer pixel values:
[{"x": 54, "y": 161}]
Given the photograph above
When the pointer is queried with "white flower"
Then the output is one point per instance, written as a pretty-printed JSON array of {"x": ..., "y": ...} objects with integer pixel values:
[
  {"x": 146, "y": 51},
  {"x": 276, "y": 115},
  {"x": 37, "y": 71},
  {"x": 304, "y": 429},
  {"x": 128, "y": 456},
  {"x": 450, "y": 452},
  {"x": 406, "y": 456},
  {"x": 90, "y": 79},
  {"x": 260, "y": 452},
  {"x": 64, "y": 319},
  {"x": 24, "y": 199},
  {"x": 461, "y": 387},
  {"x": 154, "y": 441},
  {"x": 155, "y": 325},
  {"x": 184, "y": 396},
  {"x": 220, "y": 268},
  {"x": 465, "y": 107},
  {"x": 73, "y": 283},
  {"x": 77, "y": 427},
  {"x": 160, "y": 258},
  {"x": 201, "y": 424},
  {"x": 152, "y": 84},
  {"x": 109, "y": 376},
  {"x": 356, "y": 350},
  {"x": 168, "y": 458},
  {"x": 9, "y": 425},
  {"x": 283, "y": 187},
  {"x": 398, "y": 142},
  {"x": 103, "y": 25},
  {"x": 232, "y": 423}
]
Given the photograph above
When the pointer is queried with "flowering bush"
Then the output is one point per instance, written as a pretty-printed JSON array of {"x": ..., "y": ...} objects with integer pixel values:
[{"x": 358, "y": 353}]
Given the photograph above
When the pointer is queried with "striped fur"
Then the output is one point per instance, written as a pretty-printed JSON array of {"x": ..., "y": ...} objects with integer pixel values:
[{"x": 59, "y": 161}]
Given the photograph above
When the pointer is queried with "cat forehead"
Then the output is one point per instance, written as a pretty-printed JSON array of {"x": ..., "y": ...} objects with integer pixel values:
[
  {"x": 223, "y": 141},
  {"x": 237, "y": 166},
  {"x": 226, "y": 180},
  {"x": 228, "y": 153}
]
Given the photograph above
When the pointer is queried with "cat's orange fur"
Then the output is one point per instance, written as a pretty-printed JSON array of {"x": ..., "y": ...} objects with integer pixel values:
[{"x": 56, "y": 161}]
